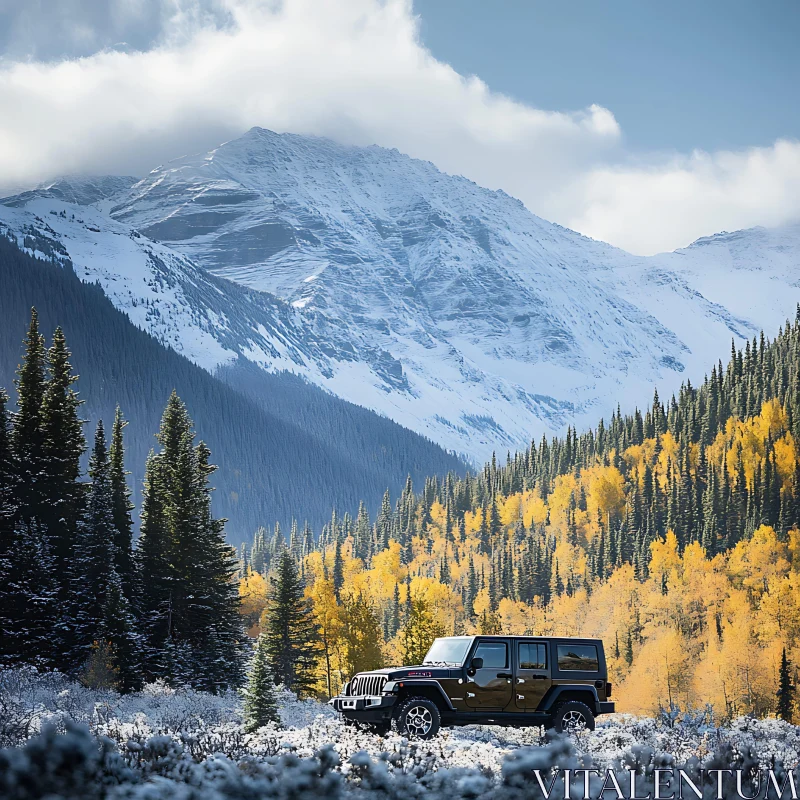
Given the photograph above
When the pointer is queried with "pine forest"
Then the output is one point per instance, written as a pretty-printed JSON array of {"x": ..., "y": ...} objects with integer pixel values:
[{"x": 673, "y": 534}]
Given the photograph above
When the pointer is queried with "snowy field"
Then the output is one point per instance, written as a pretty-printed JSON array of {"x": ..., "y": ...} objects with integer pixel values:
[{"x": 194, "y": 738}]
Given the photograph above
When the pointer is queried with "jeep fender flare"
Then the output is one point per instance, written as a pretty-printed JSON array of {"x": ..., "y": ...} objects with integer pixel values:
[
  {"x": 556, "y": 693},
  {"x": 409, "y": 685}
]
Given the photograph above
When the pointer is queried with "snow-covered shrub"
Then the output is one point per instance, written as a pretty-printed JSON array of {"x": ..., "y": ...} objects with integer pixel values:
[
  {"x": 30, "y": 699},
  {"x": 74, "y": 765},
  {"x": 167, "y": 743}
]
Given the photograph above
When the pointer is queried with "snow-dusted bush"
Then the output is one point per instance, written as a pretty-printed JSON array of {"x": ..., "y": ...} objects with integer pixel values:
[
  {"x": 166, "y": 743},
  {"x": 74, "y": 765}
]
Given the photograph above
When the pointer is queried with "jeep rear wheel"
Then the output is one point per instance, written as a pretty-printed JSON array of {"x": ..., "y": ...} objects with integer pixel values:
[
  {"x": 419, "y": 718},
  {"x": 572, "y": 717}
]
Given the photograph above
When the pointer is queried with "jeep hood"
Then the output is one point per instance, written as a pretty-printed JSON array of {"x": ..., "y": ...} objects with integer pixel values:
[{"x": 422, "y": 671}]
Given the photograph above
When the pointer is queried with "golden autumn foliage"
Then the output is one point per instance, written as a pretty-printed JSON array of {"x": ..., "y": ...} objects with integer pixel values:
[
  {"x": 680, "y": 625},
  {"x": 712, "y": 634}
]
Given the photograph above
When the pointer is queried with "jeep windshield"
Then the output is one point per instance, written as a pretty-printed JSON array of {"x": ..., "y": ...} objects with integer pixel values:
[{"x": 449, "y": 651}]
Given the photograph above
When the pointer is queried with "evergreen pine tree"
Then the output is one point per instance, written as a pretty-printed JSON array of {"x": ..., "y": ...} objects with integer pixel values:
[
  {"x": 30, "y": 610},
  {"x": 395, "y": 619},
  {"x": 117, "y": 630},
  {"x": 338, "y": 569},
  {"x": 292, "y": 635},
  {"x": 361, "y": 542},
  {"x": 260, "y": 705},
  {"x": 189, "y": 605},
  {"x": 444, "y": 571},
  {"x": 93, "y": 557},
  {"x": 27, "y": 439},
  {"x": 212, "y": 610},
  {"x": 153, "y": 561},
  {"x": 62, "y": 493},
  {"x": 495, "y": 525},
  {"x": 8, "y": 510},
  {"x": 484, "y": 534},
  {"x": 7, "y": 478},
  {"x": 121, "y": 506},
  {"x": 786, "y": 689},
  {"x": 384, "y": 521}
]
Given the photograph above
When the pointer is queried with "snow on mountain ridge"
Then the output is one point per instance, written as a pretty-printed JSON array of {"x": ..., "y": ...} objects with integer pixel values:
[
  {"x": 495, "y": 314},
  {"x": 450, "y": 308},
  {"x": 209, "y": 320}
]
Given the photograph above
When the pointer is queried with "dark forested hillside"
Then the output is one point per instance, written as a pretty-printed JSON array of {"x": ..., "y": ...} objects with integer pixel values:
[{"x": 283, "y": 447}]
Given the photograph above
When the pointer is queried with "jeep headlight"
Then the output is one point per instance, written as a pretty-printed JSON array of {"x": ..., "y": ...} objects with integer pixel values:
[{"x": 389, "y": 687}]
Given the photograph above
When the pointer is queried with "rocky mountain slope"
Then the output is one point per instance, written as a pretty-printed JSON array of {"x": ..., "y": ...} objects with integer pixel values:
[
  {"x": 443, "y": 305},
  {"x": 284, "y": 447}
]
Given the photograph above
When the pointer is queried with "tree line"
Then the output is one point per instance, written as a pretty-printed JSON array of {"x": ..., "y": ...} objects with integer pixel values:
[
  {"x": 617, "y": 532},
  {"x": 282, "y": 444},
  {"x": 75, "y": 594}
]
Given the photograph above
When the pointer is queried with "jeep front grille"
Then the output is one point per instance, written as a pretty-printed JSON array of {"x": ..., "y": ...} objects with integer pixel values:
[{"x": 363, "y": 685}]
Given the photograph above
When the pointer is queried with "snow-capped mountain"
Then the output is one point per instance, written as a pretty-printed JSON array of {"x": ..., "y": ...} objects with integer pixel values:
[
  {"x": 443, "y": 305},
  {"x": 210, "y": 321}
]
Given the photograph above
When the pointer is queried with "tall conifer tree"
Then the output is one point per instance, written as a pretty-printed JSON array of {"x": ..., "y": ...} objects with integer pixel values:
[
  {"x": 27, "y": 439},
  {"x": 188, "y": 601},
  {"x": 786, "y": 689},
  {"x": 292, "y": 635},
  {"x": 63, "y": 445},
  {"x": 121, "y": 506},
  {"x": 93, "y": 556}
]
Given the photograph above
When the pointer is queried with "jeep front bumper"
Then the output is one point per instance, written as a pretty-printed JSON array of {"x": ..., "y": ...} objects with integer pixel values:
[{"x": 371, "y": 708}]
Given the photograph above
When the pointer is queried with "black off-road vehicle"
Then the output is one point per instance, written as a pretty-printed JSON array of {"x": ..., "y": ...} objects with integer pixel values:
[{"x": 519, "y": 681}]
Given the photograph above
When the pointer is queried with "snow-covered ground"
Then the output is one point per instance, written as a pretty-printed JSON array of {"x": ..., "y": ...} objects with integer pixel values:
[{"x": 205, "y": 724}]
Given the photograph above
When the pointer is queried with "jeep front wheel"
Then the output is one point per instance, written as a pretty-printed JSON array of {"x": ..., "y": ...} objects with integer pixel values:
[
  {"x": 419, "y": 718},
  {"x": 572, "y": 717}
]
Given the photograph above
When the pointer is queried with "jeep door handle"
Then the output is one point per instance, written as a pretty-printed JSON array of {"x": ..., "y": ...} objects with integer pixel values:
[{"x": 504, "y": 675}]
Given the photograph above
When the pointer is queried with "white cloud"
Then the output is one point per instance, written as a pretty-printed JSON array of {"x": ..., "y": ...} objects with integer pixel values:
[
  {"x": 648, "y": 209},
  {"x": 355, "y": 70}
]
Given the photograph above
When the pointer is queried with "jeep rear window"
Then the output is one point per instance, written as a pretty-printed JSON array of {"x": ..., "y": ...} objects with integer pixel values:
[
  {"x": 578, "y": 657},
  {"x": 494, "y": 654},
  {"x": 532, "y": 655},
  {"x": 449, "y": 650}
]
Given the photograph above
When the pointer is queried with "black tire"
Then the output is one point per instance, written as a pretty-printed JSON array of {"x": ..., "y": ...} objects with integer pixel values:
[
  {"x": 572, "y": 716},
  {"x": 418, "y": 718}
]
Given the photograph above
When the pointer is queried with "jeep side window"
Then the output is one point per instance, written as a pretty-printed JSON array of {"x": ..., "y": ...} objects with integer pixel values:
[
  {"x": 578, "y": 657},
  {"x": 532, "y": 655},
  {"x": 494, "y": 654}
]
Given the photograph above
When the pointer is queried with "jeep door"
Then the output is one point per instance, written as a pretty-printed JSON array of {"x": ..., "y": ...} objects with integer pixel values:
[
  {"x": 532, "y": 675},
  {"x": 490, "y": 687}
]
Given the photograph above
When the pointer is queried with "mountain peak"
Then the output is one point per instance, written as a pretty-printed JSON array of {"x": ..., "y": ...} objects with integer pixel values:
[{"x": 444, "y": 305}]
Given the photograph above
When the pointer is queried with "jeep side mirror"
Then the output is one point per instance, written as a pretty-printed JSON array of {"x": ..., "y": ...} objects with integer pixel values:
[{"x": 475, "y": 664}]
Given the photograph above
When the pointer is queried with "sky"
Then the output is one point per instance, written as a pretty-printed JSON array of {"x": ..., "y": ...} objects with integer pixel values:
[{"x": 646, "y": 125}]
